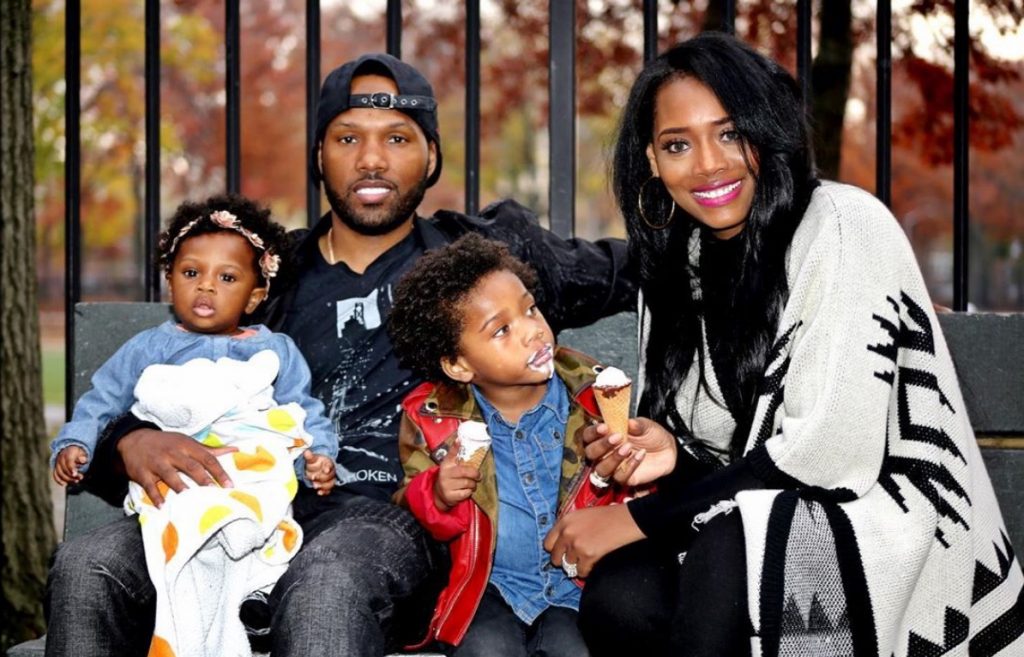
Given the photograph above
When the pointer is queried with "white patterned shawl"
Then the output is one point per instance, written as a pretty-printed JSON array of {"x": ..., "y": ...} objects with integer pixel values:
[{"x": 886, "y": 538}]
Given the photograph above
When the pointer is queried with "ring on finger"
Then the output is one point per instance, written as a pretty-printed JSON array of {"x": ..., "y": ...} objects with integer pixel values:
[
  {"x": 569, "y": 567},
  {"x": 598, "y": 480}
]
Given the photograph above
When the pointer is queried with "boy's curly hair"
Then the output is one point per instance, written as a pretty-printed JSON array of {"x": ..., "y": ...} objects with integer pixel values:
[
  {"x": 426, "y": 319},
  {"x": 251, "y": 215}
]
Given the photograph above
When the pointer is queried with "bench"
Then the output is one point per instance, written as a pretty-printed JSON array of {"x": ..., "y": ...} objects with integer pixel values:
[{"x": 988, "y": 350}]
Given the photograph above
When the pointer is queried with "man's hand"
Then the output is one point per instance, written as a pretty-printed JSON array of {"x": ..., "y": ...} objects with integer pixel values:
[
  {"x": 319, "y": 471},
  {"x": 648, "y": 453},
  {"x": 151, "y": 456},
  {"x": 583, "y": 536},
  {"x": 455, "y": 482},
  {"x": 69, "y": 460}
]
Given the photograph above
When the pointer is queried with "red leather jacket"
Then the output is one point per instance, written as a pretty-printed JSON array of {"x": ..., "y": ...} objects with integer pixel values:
[{"x": 432, "y": 414}]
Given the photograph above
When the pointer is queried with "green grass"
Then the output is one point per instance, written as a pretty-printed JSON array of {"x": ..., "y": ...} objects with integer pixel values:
[{"x": 53, "y": 375}]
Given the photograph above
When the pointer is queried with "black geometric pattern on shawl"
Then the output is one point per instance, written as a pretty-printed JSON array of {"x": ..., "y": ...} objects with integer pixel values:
[
  {"x": 986, "y": 581},
  {"x": 926, "y": 476},
  {"x": 807, "y": 524},
  {"x": 1009, "y": 626},
  {"x": 956, "y": 629},
  {"x": 774, "y": 385},
  {"x": 1001, "y": 632}
]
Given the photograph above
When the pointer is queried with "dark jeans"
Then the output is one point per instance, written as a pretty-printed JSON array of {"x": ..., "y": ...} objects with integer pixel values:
[
  {"x": 99, "y": 599},
  {"x": 640, "y": 601},
  {"x": 496, "y": 631},
  {"x": 364, "y": 583}
]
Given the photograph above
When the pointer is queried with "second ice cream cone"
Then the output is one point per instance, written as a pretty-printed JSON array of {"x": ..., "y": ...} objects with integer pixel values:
[
  {"x": 614, "y": 405},
  {"x": 612, "y": 389}
]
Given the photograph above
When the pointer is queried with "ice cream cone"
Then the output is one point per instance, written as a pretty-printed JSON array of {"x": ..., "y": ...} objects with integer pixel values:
[
  {"x": 474, "y": 459},
  {"x": 474, "y": 441},
  {"x": 614, "y": 405},
  {"x": 612, "y": 389}
]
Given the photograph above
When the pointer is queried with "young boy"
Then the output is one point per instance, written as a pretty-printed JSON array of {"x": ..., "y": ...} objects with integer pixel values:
[{"x": 464, "y": 319}]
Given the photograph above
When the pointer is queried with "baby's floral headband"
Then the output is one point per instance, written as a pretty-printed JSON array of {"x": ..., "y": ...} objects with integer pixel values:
[{"x": 269, "y": 262}]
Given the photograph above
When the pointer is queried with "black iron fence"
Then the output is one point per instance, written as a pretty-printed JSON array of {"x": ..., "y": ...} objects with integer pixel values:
[{"x": 561, "y": 120}]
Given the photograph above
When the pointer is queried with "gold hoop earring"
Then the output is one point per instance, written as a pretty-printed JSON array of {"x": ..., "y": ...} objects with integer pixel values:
[{"x": 643, "y": 215}]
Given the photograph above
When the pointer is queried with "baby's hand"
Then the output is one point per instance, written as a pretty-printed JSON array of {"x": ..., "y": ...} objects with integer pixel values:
[
  {"x": 319, "y": 471},
  {"x": 455, "y": 481},
  {"x": 65, "y": 469}
]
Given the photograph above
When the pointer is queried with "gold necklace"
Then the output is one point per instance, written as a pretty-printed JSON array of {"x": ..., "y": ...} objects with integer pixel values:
[{"x": 330, "y": 245}]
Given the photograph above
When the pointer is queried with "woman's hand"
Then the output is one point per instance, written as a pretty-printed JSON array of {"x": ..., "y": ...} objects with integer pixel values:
[
  {"x": 648, "y": 453},
  {"x": 583, "y": 536},
  {"x": 151, "y": 456}
]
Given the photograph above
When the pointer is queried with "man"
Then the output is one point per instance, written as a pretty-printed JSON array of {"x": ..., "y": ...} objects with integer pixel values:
[{"x": 364, "y": 582}]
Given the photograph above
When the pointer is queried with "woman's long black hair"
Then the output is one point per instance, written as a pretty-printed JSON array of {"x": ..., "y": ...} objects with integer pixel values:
[{"x": 765, "y": 105}]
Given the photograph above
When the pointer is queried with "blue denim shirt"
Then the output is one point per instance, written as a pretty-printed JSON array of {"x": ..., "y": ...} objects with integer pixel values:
[
  {"x": 113, "y": 384},
  {"x": 528, "y": 465}
]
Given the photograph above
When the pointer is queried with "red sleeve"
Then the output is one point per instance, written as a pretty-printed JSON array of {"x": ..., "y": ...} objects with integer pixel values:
[{"x": 442, "y": 525}]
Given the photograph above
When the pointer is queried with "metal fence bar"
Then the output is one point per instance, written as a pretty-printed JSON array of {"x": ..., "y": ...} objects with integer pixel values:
[
  {"x": 650, "y": 29},
  {"x": 312, "y": 98},
  {"x": 961, "y": 152},
  {"x": 803, "y": 49},
  {"x": 394, "y": 28},
  {"x": 562, "y": 117},
  {"x": 72, "y": 185},
  {"x": 729, "y": 17},
  {"x": 232, "y": 56},
  {"x": 472, "y": 106},
  {"x": 883, "y": 103},
  {"x": 151, "y": 216}
]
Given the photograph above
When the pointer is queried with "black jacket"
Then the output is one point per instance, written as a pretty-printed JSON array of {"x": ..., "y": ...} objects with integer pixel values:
[{"x": 580, "y": 281}]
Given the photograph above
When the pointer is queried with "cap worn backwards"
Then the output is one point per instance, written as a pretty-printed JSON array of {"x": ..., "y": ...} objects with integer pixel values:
[{"x": 415, "y": 98}]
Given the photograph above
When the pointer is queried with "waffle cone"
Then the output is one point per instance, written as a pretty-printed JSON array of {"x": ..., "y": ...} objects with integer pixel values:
[
  {"x": 476, "y": 458},
  {"x": 614, "y": 405}
]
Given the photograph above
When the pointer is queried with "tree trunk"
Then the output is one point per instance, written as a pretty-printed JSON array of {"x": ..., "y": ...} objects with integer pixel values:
[
  {"x": 28, "y": 536},
  {"x": 830, "y": 84}
]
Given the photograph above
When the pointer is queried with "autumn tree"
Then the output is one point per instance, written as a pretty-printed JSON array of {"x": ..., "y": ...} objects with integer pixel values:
[{"x": 28, "y": 535}]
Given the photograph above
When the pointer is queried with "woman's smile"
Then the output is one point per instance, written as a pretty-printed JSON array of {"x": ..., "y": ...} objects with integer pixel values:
[{"x": 716, "y": 195}]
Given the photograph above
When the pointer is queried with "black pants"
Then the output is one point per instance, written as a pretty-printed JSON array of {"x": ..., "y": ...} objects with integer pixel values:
[{"x": 640, "y": 601}]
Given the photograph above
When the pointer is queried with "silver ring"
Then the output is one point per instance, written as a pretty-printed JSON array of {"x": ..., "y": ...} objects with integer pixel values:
[
  {"x": 569, "y": 567},
  {"x": 598, "y": 481}
]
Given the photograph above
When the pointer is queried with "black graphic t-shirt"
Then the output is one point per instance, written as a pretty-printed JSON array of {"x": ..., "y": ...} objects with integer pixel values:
[{"x": 338, "y": 321}]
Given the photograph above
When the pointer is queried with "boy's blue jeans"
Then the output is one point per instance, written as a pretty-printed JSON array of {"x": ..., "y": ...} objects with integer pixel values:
[
  {"x": 496, "y": 630},
  {"x": 363, "y": 584}
]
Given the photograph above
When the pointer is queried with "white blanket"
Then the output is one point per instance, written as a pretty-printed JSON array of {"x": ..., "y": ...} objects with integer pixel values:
[{"x": 208, "y": 547}]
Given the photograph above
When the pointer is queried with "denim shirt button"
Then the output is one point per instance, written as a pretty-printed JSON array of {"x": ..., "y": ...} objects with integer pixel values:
[
  {"x": 543, "y": 519},
  {"x": 557, "y": 434},
  {"x": 519, "y": 435},
  {"x": 550, "y": 591},
  {"x": 528, "y": 478}
]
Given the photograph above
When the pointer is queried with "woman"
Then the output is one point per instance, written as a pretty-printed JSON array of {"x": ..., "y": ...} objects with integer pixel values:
[{"x": 819, "y": 490}]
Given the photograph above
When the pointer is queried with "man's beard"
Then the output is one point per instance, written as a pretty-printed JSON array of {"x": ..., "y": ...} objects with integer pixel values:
[{"x": 383, "y": 224}]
